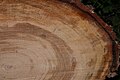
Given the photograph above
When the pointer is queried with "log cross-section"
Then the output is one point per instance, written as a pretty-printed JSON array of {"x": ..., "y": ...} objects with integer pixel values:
[{"x": 54, "y": 40}]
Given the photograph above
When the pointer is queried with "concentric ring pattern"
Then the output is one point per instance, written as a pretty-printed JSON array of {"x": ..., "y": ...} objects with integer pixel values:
[{"x": 50, "y": 40}]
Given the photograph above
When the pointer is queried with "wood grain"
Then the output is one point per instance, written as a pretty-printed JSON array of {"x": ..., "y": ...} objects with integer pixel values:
[{"x": 51, "y": 40}]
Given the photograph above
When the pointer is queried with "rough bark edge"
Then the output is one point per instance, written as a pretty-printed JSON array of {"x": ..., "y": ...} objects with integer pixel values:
[{"x": 115, "y": 44}]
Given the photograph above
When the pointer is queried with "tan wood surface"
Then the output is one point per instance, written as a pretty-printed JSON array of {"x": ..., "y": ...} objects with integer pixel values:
[{"x": 51, "y": 40}]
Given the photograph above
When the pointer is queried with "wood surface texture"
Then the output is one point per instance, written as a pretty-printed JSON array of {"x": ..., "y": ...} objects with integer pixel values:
[{"x": 51, "y": 40}]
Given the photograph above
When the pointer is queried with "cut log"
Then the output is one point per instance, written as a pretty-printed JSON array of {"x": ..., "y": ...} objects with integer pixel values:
[{"x": 54, "y": 40}]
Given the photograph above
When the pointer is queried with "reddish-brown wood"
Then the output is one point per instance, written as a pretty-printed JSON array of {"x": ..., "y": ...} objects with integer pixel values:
[{"x": 54, "y": 40}]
